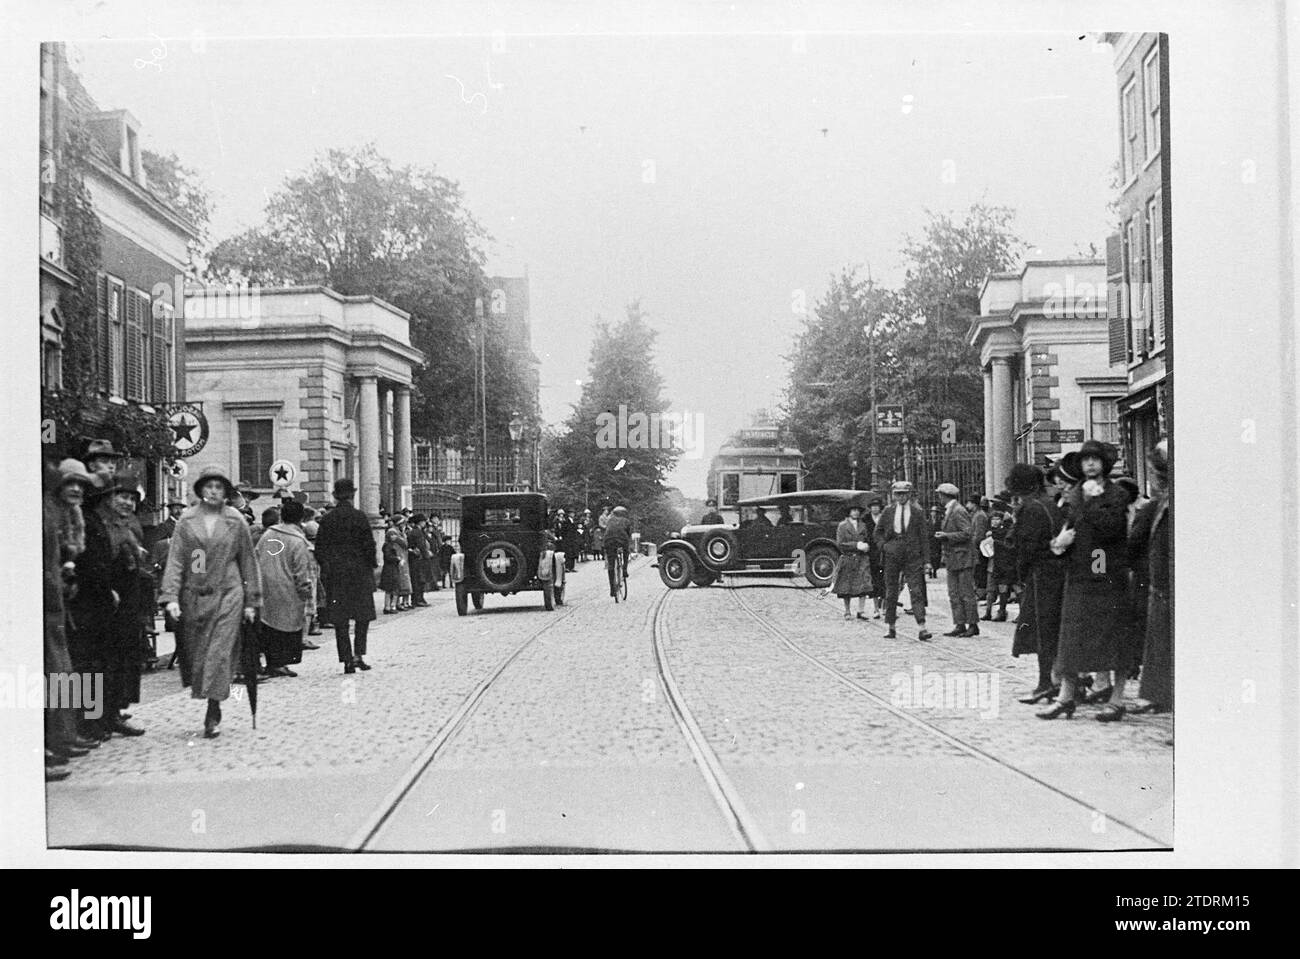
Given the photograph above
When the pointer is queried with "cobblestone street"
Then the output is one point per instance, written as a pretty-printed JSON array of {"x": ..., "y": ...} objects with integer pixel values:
[{"x": 451, "y": 744}]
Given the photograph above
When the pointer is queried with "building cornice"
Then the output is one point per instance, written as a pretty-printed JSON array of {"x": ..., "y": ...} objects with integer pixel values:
[{"x": 143, "y": 197}]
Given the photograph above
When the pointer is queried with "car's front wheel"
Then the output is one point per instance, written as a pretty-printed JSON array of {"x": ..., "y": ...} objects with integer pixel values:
[
  {"x": 462, "y": 600},
  {"x": 820, "y": 566},
  {"x": 704, "y": 577},
  {"x": 477, "y": 597},
  {"x": 676, "y": 569},
  {"x": 548, "y": 595}
]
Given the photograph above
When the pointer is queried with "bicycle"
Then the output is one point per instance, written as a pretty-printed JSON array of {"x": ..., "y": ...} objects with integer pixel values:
[{"x": 616, "y": 563}]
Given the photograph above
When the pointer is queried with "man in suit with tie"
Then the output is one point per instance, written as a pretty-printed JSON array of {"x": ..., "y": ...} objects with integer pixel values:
[
  {"x": 904, "y": 538},
  {"x": 959, "y": 561}
]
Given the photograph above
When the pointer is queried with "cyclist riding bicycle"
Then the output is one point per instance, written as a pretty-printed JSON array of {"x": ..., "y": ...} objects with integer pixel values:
[{"x": 618, "y": 536}]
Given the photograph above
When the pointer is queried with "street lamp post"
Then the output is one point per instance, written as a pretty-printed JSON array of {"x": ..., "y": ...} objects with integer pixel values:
[{"x": 516, "y": 434}]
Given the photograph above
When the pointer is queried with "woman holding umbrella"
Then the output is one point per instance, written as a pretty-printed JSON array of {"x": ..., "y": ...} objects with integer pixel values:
[{"x": 211, "y": 584}]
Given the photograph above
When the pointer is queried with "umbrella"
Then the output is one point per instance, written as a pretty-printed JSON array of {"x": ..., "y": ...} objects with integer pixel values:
[{"x": 249, "y": 663}]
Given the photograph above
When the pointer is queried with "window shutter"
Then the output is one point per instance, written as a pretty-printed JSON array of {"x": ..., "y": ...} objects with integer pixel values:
[
  {"x": 103, "y": 335},
  {"x": 1116, "y": 328},
  {"x": 134, "y": 366},
  {"x": 1158, "y": 272},
  {"x": 159, "y": 344}
]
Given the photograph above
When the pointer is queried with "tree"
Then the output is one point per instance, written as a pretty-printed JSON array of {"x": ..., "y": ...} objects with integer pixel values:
[
  {"x": 362, "y": 226},
  {"x": 179, "y": 186},
  {"x": 828, "y": 402},
  {"x": 937, "y": 372},
  {"x": 922, "y": 357},
  {"x": 623, "y": 389}
]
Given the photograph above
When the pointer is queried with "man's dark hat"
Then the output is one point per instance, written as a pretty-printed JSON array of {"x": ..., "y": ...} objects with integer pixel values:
[
  {"x": 1103, "y": 451},
  {"x": 1024, "y": 480}
]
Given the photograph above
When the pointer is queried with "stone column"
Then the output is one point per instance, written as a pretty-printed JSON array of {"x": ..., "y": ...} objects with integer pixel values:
[
  {"x": 1003, "y": 421},
  {"x": 401, "y": 441},
  {"x": 368, "y": 447},
  {"x": 990, "y": 486}
]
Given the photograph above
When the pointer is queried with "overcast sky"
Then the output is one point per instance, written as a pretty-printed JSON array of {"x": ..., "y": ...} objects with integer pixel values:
[{"x": 769, "y": 167}]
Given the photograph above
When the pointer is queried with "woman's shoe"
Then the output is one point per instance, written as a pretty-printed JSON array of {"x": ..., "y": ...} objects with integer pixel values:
[
  {"x": 211, "y": 729},
  {"x": 1058, "y": 709},
  {"x": 1040, "y": 694},
  {"x": 863, "y": 616},
  {"x": 848, "y": 615},
  {"x": 1110, "y": 713},
  {"x": 1098, "y": 696},
  {"x": 1142, "y": 707}
]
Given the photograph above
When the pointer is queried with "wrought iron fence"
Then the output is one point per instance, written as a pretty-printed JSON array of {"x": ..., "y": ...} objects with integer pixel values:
[{"x": 961, "y": 464}]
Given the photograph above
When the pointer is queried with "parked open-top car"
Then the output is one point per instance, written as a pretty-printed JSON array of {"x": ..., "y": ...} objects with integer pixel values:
[
  {"x": 504, "y": 549},
  {"x": 785, "y": 532}
]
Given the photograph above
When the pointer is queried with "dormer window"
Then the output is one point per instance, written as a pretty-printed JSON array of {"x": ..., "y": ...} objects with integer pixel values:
[{"x": 131, "y": 157}]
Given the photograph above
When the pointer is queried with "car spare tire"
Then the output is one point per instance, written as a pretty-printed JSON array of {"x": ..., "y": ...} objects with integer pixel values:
[
  {"x": 719, "y": 549},
  {"x": 502, "y": 566}
]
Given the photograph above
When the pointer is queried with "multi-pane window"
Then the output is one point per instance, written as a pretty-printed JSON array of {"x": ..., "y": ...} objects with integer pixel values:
[
  {"x": 1135, "y": 276},
  {"x": 1151, "y": 87},
  {"x": 1103, "y": 419},
  {"x": 1130, "y": 125},
  {"x": 256, "y": 451},
  {"x": 116, "y": 338},
  {"x": 159, "y": 349}
]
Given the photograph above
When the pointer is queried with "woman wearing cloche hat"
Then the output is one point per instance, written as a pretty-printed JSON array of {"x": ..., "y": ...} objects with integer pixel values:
[
  {"x": 1096, "y": 618},
  {"x": 210, "y": 584}
]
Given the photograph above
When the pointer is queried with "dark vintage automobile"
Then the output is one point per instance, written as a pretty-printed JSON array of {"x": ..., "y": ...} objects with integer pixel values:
[
  {"x": 504, "y": 548},
  {"x": 802, "y": 543}
]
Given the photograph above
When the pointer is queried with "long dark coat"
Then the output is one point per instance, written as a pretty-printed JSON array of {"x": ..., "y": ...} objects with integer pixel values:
[
  {"x": 1042, "y": 572},
  {"x": 1150, "y": 535},
  {"x": 853, "y": 572},
  {"x": 1096, "y": 615},
  {"x": 213, "y": 578},
  {"x": 421, "y": 562},
  {"x": 346, "y": 552},
  {"x": 109, "y": 635}
]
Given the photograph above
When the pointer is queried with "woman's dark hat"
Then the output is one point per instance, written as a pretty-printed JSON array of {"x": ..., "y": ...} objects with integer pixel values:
[
  {"x": 876, "y": 501},
  {"x": 1067, "y": 467},
  {"x": 1023, "y": 480},
  {"x": 1103, "y": 451},
  {"x": 211, "y": 473}
]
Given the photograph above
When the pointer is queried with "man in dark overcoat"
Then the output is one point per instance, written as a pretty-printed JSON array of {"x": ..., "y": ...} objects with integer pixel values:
[
  {"x": 346, "y": 552},
  {"x": 904, "y": 538}
]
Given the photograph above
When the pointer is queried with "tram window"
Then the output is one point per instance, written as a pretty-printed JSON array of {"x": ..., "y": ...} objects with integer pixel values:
[
  {"x": 789, "y": 482},
  {"x": 730, "y": 489}
]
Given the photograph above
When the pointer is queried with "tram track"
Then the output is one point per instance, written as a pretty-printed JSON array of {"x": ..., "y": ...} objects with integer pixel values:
[
  {"x": 739, "y": 820},
  {"x": 819, "y": 599},
  {"x": 366, "y": 835},
  {"x": 956, "y": 742}
]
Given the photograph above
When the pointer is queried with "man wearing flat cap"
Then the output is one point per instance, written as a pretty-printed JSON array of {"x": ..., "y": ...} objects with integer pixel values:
[
  {"x": 904, "y": 538},
  {"x": 345, "y": 549},
  {"x": 958, "y": 559}
]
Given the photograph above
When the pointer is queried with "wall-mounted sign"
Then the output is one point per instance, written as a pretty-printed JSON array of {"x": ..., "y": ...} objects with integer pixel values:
[{"x": 189, "y": 429}]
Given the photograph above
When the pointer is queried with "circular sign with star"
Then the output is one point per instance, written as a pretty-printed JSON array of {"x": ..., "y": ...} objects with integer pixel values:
[
  {"x": 190, "y": 429},
  {"x": 282, "y": 473}
]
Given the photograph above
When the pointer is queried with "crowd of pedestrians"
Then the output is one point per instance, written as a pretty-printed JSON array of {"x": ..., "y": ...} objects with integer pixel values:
[
  {"x": 225, "y": 579},
  {"x": 1084, "y": 555}
]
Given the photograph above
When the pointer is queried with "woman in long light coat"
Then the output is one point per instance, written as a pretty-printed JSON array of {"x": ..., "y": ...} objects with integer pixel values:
[{"x": 211, "y": 583}]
